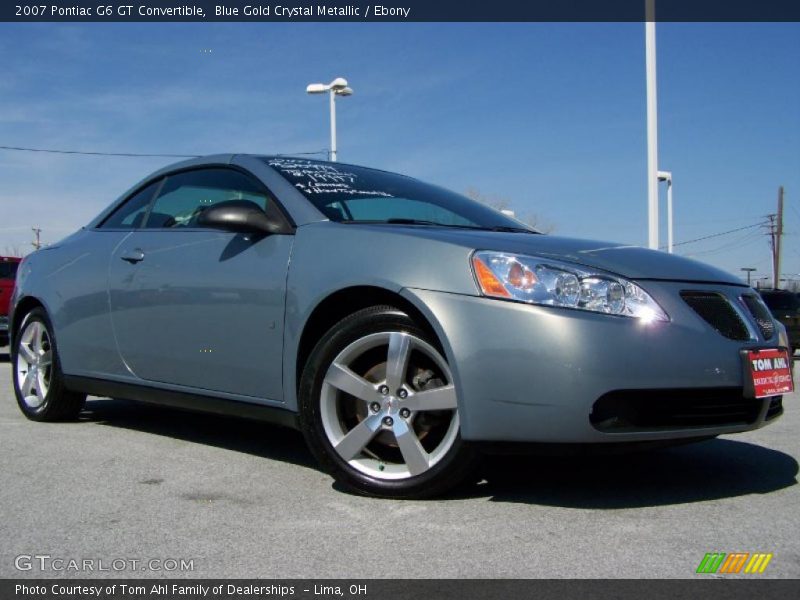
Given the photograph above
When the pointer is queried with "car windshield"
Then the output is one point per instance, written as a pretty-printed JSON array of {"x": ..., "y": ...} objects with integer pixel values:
[
  {"x": 8, "y": 270},
  {"x": 350, "y": 194},
  {"x": 781, "y": 301}
]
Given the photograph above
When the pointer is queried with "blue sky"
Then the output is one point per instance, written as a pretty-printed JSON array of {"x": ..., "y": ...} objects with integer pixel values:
[{"x": 550, "y": 117}]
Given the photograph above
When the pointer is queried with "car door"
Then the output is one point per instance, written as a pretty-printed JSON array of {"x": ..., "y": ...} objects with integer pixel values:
[
  {"x": 196, "y": 307},
  {"x": 77, "y": 289}
]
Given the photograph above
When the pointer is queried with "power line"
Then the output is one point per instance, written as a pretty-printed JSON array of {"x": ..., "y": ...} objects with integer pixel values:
[
  {"x": 739, "y": 242},
  {"x": 746, "y": 239},
  {"x": 739, "y": 219},
  {"x": 125, "y": 154},
  {"x": 713, "y": 235},
  {"x": 137, "y": 154},
  {"x": 794, "y": 209}
]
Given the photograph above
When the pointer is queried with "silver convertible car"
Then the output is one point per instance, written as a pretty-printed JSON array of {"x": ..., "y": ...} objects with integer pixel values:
[{"x": 404, "y": 329}]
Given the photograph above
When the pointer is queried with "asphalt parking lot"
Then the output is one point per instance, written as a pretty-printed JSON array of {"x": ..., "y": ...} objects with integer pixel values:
[{"x": 243, "y": 499}]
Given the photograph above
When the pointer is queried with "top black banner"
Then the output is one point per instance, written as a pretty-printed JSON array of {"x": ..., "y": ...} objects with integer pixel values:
[{"x": 400, "y": 10}]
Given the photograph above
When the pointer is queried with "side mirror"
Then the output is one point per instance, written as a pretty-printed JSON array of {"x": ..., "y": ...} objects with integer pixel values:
[{"x": 239, "y": 216}]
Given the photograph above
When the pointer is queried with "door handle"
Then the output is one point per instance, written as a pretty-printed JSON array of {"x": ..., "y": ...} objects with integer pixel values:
[{"x": 133, "y": 256}]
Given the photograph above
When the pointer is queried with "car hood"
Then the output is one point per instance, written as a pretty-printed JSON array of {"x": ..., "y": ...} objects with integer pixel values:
[{"x": 632, "y": 262}]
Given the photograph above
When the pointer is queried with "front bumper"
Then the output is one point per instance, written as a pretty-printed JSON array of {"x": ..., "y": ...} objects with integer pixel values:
[{"x": 533, "y": 374}]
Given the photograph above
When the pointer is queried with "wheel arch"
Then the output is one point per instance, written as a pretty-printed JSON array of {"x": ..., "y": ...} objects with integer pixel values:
[
  {"x": 338, "y": 305},
  {"x": 21, "y": 309}
]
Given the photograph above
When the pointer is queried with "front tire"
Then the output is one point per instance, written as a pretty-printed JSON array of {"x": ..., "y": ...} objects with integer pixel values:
[
  {"x": 36, "y": 370},
  {"x": 378, "y": 408}
]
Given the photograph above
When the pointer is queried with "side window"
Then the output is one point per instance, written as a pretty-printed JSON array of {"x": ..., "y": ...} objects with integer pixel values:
[
  {"x": 381, "y": 209},
  {"x": 8, "y": 270},
  {"x": 130, "y": 214},
  {"x": 185, "y": 195}
]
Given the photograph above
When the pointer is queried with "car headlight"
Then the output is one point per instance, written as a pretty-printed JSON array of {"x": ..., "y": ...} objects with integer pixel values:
[{"x": 554, "y": 283}]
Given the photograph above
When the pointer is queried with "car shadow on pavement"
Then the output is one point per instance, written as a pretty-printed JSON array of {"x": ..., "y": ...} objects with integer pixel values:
[
  {"x": 4, "y": 356},
  {"x": 240, "y": 435},
  {"x": 714, "y": 469},
  {"x": 710, "y": 470}
]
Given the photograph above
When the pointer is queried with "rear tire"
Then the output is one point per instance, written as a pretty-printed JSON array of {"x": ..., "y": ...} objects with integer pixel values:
[
  {"x": 36, "y": 371},
  {"x": 378, "y": 408}
]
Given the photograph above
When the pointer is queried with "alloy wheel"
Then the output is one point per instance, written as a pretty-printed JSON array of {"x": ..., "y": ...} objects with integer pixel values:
[
  {"x": 389, "y": 405},
  {"x": 34, "y": 363}
]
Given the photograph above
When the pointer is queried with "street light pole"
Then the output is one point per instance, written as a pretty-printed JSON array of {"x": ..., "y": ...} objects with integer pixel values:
[
  {"x": 652, "y": 125},
  {"x": 337, "y": 87},
  {"x": 332, "y": 96},
  {"x": 748, "y": 270}
]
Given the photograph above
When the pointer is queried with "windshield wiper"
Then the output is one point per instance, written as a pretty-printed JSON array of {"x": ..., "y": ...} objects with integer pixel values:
[
  {"x": 508, "y": 229},
  {"x": 404, "y": 221},
  {"x": 501, "y": 228},
  {"x": 399, "y": 221}
]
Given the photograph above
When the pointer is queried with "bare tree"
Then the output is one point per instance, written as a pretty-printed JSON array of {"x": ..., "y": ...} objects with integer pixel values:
[
  {"x": 502, "y": 203},
  {"x": 13, "y": 250}
]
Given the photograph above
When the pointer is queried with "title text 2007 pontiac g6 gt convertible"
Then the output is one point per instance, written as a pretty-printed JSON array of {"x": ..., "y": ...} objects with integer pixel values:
[{"x": 400, "y": 326}]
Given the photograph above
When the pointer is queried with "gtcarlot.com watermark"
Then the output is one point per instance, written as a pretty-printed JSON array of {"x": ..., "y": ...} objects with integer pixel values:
[{"x": 47, "y": 563}]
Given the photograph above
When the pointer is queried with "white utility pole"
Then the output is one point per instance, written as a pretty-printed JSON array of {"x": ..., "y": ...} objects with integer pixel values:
[
  {"x": 652, "y": 125},
  {"x": 667, "y": 176},
  {"x": 337, "y": 87}
]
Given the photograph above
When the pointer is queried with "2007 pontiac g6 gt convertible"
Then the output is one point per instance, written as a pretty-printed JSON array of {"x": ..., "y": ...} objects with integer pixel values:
[{"x": 403, "y": 328}]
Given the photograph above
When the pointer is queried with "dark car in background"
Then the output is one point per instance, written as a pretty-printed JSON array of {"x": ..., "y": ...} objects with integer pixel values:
[
  {"x": 785, "y": 307},
  {"x": 8, "y": 273}
]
